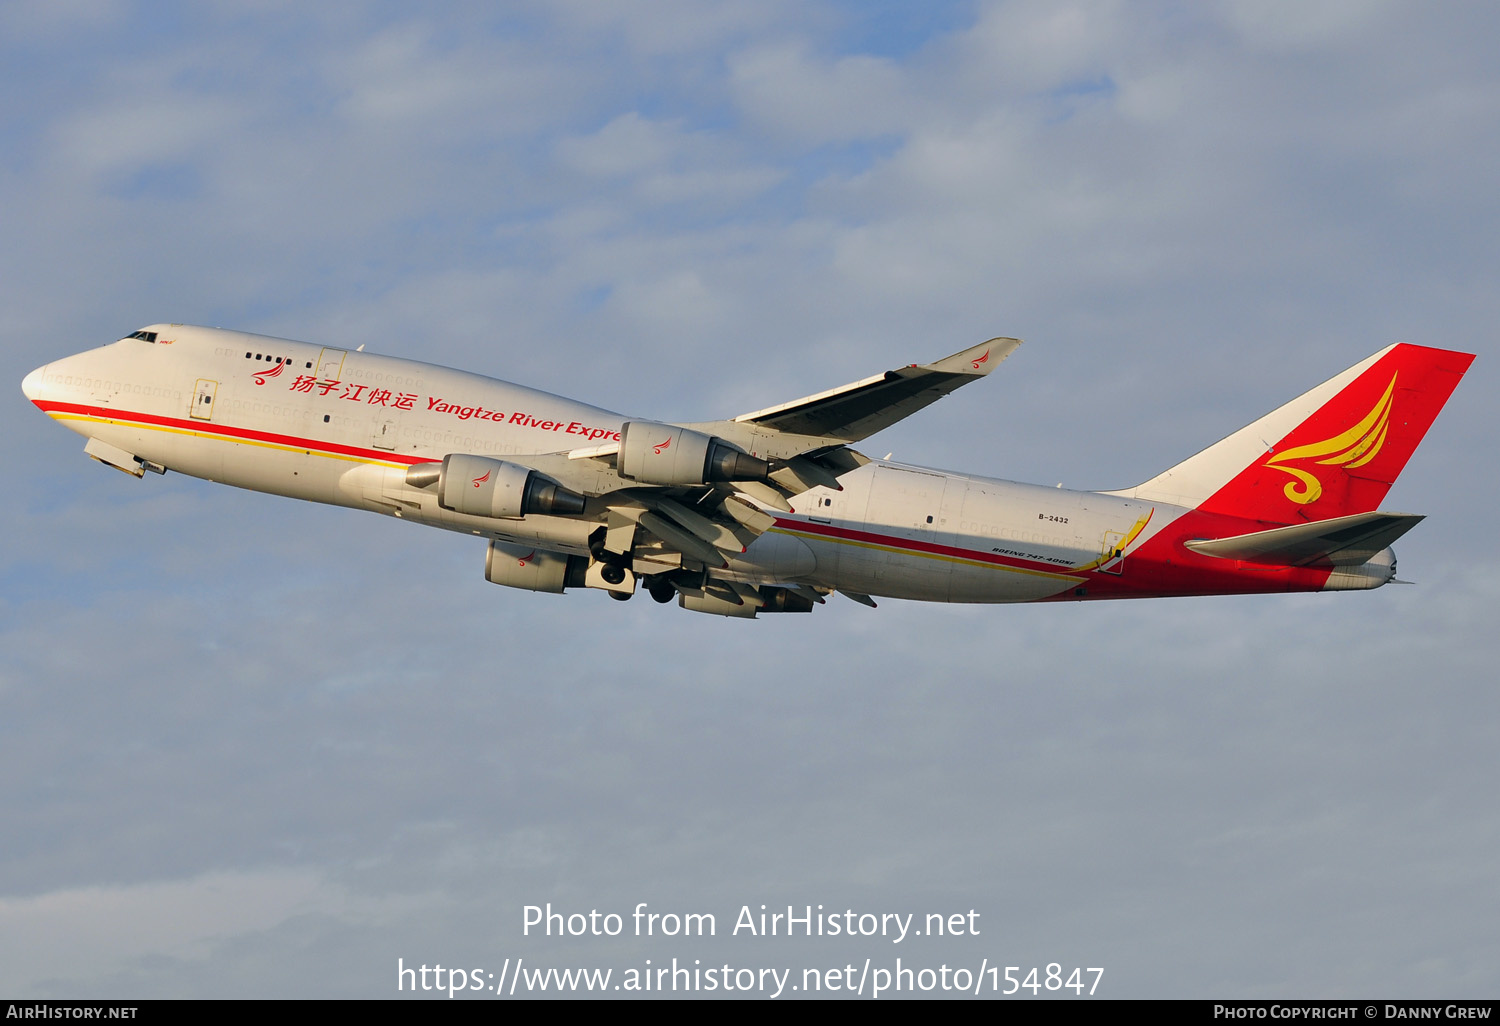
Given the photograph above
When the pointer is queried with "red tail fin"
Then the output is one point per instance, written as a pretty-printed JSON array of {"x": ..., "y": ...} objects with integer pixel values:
[{"x": 1332, "y": 452}]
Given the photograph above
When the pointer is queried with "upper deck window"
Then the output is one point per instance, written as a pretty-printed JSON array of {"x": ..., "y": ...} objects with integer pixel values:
[{"x": 144, "y": 336}]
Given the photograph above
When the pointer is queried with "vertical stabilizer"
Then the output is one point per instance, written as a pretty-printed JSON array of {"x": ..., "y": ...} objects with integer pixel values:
[{"x": 1331, "y": 452}]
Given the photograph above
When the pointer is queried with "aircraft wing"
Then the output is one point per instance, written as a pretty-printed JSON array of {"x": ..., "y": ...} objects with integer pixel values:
[
  {"x": 803, "y": 443},
  {"x": 861, "y": 408}
]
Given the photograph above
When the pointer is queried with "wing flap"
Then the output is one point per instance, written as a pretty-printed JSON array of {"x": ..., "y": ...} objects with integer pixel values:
[{"x": 1342, "y": 541}]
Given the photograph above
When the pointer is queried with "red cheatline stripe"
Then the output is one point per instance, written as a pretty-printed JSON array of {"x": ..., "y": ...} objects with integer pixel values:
[
  {"x": 204, "y": 427},
  {"x": 296, "y": 442},
  {"x": 911, "y": 545}
]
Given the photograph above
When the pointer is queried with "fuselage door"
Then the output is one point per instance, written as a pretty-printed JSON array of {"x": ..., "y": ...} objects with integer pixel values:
[
  {"x": 331, "y": 364},
  {"x": 1112, "y": 553},
  {"x": 203, "y": 399},
  {"x": 906, "y": 505},
  {"x": 385, "y": 434}
]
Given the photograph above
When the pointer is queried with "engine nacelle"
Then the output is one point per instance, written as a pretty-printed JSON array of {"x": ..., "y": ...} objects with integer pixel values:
[
  {"x": 485, "y": 487},
  {"x": 662, "y": 454},
  {"x": 773, "y": 600},
  {"x": 704, "y": 602},
  {"x": 1377, "y": 570},
  {"x": 517, "y": 566}
]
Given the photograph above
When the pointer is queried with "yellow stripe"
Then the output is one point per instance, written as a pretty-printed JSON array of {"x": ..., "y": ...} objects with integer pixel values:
[
  {"x": 215, "y": 436},
  {"x": 795, "y": 534},
  {"x": 1125, "y": 544}
]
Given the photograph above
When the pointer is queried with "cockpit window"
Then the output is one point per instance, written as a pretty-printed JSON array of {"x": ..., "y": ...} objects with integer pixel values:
[{"x": 144, "y": 336}]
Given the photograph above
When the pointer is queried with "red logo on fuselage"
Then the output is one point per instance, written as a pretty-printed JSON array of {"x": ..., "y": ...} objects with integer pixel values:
[{"x": 261, "y": 376}]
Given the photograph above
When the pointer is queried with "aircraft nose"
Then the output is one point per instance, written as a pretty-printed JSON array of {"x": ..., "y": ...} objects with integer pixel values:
[{"x": 32, "y": 383}]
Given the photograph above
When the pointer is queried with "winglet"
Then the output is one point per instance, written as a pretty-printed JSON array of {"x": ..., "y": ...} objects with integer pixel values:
[{"x": 977, "y": 360}]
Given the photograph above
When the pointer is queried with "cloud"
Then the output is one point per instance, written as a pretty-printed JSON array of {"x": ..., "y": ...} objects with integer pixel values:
[
  {"x": 64, "y": 938},
  {"x": 791, "y": 91}
]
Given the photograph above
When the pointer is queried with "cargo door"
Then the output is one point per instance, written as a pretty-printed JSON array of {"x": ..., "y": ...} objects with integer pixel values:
[{"x": 903, "y": 515}]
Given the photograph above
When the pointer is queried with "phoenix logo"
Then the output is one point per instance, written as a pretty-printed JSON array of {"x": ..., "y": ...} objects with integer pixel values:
[
  {"x": 261, "y": 376},
  {"x": 983, "y": 359},
  {"x": 1354, "y": 448},
  {"x": 481, "y": 480},
  {"x": 662, "y": 446},
  {"x": 526, "y": 558}
]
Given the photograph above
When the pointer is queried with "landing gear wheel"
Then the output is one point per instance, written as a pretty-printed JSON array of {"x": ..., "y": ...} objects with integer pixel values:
[
  {"x": 661, "y": 590},
  {"x": 623, "y": 596},
  {"x": 613, "y": 574}
]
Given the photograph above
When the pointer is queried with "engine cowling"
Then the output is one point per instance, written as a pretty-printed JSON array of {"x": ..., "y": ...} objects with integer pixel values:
[
  {"x": 485, "y": 487},
  {"x": 664, "y": 454},
  {"x": 1379, "y": 569},
  {"x": 773, "y": 600},
  {"x": 703, "y": 602},
  {"x": 519, "y": 566}
]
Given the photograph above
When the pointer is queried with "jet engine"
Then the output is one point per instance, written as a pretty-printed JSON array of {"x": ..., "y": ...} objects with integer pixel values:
[
  {"x": 1377, "y": 570},
  {"x": 662, "y": 454},
  {"x": 772, "y": 600},
  {"x": 484, "y": 487},
  {"x": 520, "y": 566}
]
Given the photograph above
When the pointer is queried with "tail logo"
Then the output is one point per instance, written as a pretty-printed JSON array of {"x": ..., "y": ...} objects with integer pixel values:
[
  {"x": 659, "y": 448},
  {"x": 983, "y": 359},
  {"x": 1354, "y": 448}
]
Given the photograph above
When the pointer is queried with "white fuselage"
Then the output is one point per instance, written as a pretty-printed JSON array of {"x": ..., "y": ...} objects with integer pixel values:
[{"x": 343, "y": 427}]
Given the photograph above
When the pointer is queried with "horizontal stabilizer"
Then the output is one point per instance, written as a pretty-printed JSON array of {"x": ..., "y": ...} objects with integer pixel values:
[{"x": 1342, "y": 541}]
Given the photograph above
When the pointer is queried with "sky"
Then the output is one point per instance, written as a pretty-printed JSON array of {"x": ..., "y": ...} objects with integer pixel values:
[{"x": 251, "y": 747}]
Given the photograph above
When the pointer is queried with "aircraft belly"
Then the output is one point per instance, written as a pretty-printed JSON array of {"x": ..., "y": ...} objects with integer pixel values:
[
  {"x": 776, "y": 556},
  {"x": 378, "y": 487},
  {"x": 182, "y": 452},
  {"x": 293, "y": 473},
  {"x": 973, "y": 583}
]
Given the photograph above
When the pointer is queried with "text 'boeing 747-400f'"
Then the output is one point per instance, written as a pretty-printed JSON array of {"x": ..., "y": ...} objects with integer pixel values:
[{"x": 770, "y": 511}]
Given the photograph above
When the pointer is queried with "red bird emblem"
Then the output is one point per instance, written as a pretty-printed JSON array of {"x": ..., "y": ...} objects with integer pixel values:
[
  {"x": 261, "y": 376},
  {"x": 481, "y": 480},
  {"x": 658, "y": 448},
  {"x": 983, "y": 359}
]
